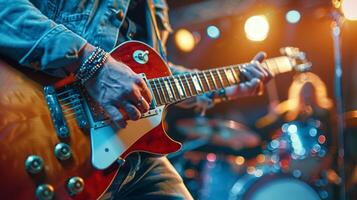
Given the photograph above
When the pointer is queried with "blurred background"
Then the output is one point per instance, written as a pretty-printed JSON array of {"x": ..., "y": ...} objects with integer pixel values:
[{"x": 240, "y": 146}]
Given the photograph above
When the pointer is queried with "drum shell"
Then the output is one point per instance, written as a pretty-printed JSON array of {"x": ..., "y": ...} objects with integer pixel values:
[{"x": 277, "y": 186}]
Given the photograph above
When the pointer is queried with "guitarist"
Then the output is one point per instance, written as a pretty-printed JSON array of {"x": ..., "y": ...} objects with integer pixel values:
[{"x": 61, "y": 37}]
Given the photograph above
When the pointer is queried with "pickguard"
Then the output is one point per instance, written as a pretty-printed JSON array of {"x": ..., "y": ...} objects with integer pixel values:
[{"x": 107, "y": 144}]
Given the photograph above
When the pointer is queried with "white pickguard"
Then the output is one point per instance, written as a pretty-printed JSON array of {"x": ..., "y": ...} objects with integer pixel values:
[{"x": 108, "y": 145}]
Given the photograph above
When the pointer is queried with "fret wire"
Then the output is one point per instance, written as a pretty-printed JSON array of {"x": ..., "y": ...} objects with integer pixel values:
[
  {"x": 207, "y": 82},
  {"x": 200, "y": 83},
  {"x": 171, "y": 88},
  {"x": 162, "y": 91},
  {"x": 165, "y": 89},
  {"x": 177, "y": 77},
  {"x": 225, "y": 76},
  {"x": 219, "y": 78},
  {"x": 193, "y": 84},
  {"x": 162, "y": 86},
  {"x": 229, "y": 74},
  {"x": 158, "y": 100},
  {"x": 210, "y": 80},
  {"x": 181, "y": 85},
  {"x": 188, "y": 84},
  {"x": 159, "y": 91},
  {"x": 214, "y": 80},
  {"x": 188, "y": 81},
  {"x": 234, "y": 74}
]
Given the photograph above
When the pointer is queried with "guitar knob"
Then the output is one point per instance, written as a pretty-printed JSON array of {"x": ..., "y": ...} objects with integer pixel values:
[
  {"x": 44, "y": 192},
  {"x": 34, "y": 164},
  {"x": 75, "y": 185},
  {"x": 63, "y": 151}
]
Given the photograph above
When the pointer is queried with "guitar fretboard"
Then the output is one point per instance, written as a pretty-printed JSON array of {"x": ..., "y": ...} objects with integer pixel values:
[{"x": 171, "y": 89}]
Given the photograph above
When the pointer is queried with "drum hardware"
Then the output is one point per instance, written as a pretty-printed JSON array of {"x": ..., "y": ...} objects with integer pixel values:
[{"x": 219, "y": 132}]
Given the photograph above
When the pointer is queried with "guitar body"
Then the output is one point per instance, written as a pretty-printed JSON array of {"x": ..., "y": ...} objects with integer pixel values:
[{"x": 26, "y": 128}]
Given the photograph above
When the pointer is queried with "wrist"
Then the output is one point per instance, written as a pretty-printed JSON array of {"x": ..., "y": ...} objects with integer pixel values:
[
  {"x": 83, "y": 54},
  {"x": 91, "y": 65}
]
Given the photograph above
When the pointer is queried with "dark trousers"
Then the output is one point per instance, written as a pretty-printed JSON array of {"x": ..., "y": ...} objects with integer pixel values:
[{"x": 147, "y": 177}]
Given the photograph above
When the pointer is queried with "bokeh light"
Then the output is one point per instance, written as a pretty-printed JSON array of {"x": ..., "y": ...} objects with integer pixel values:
[
  {"x": 213, "y": 32},
  {"x": 256, "y": 28},
  {"x": 293, "y": 16},
  {"x": 239, "y": 160},
  {"x": 184, "y": 40},
  {"x": 349, "y": 9}
]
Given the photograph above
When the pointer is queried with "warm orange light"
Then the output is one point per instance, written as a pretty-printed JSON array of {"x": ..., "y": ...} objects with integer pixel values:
[
  {"x": 260, "y": 158},
  {"x": 349, "y": 9},
  {"x": 184, "y": 40},
  {"x": 256, "y": 28},
  {"x": 239, "y": 160}
]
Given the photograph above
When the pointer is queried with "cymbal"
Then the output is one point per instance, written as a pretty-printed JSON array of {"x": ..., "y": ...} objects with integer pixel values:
[{"x": 220, "y": 132}]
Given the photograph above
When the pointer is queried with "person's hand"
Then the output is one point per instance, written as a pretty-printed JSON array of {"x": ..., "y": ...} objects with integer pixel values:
[
  {"x": 122, "y": 93},
  {"x": 200, "y": 103},
  {"x": 257, "y": 76}
]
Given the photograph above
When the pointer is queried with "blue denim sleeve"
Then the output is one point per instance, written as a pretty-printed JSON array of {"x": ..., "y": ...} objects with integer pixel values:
[{"x": 29, "y": 37}]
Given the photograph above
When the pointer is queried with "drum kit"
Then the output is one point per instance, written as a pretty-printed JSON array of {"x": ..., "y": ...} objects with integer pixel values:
[{"x": 283, "y": 168}]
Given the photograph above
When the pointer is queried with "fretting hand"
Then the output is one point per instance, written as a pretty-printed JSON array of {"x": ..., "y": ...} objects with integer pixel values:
[{"x": 256, "y": 76}]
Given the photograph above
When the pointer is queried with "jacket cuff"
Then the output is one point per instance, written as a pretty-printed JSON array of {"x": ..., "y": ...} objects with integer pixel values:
[{"x": 57, "y": 48}]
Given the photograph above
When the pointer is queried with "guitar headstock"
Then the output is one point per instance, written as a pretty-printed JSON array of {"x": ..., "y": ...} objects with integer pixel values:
[{"x": 297, "y": 58}]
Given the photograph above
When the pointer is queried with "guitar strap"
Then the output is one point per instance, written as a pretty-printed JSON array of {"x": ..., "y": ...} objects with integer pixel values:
[{"x": 153, "y": 20}]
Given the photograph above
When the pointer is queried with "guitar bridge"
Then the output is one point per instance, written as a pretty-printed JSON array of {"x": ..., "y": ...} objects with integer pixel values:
[{"x": 65, "y": 103}]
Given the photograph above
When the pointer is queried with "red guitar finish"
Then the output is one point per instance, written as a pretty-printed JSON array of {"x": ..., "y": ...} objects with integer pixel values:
[
  {"x": 26, "y": 129},
  {"x": 26, "y": 126}
]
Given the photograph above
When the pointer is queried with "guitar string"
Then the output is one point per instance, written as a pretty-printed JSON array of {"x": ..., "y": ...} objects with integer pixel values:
[
  {"x": 202, "y": 75},
  {"x": 203, "y": 78}
]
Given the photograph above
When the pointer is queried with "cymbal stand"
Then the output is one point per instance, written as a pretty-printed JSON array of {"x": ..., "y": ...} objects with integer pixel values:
[{"x": 336, "y": 36}]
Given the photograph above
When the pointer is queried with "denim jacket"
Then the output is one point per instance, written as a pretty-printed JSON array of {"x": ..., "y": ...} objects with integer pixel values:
[{"x": 49, "y": 34}]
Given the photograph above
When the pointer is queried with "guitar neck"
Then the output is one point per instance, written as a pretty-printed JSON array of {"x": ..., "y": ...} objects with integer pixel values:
[{"x": 172, "y": 89}]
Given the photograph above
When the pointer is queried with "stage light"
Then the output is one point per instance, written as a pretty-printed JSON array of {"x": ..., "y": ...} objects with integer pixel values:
[
  {"x": 184, "y": 40},
  {"x": 256, "y": 28},
  {"x": 293, "y": 16},
  {"x": 239, "y": 160},
  {"x": 213, "y": 32},
  {"x": 211, "y": 157},
  {"x": 349, "y": 8}
]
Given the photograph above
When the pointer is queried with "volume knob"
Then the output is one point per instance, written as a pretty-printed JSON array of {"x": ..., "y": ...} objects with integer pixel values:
[
  {"x": 75, "y": 185},
  {"x": 63, "y": 151},
  {"x": 34, "y": 164},
  {"x": 44, "y": 192}
]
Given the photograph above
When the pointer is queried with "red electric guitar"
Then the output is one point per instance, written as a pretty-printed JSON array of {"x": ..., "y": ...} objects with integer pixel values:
[{"x": 56, "y": 144}]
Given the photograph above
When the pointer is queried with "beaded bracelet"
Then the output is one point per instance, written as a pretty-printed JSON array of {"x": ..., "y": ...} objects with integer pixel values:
[{"x": 94, "y": 62}]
